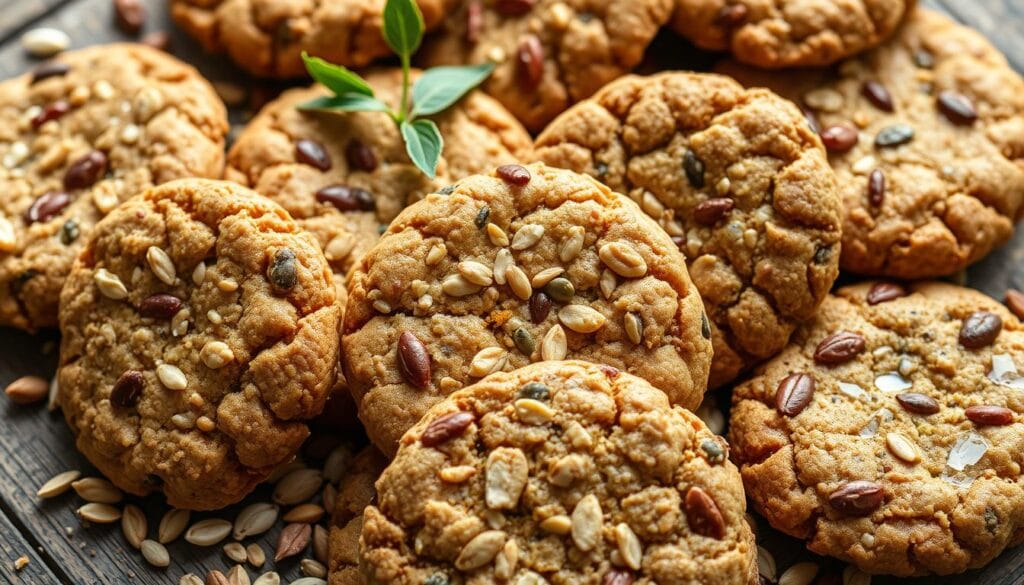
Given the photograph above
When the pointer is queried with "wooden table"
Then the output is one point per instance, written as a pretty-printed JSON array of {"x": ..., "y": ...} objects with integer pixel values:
[{"x": 36, "y": 444}]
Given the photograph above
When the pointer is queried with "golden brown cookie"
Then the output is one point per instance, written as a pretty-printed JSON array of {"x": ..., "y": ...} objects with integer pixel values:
[
  {"x": 525, "y": 264},
  {"x": 559, "y": 472},
  {"x": 738, "y": 179},
  {"x": 267, "y": 37},
  {"x": 79, "y": 135},
  {"x": 355, "y": 492},
  {"x": 926, "y": 135},
  {"x": 200, "y": 332},
  {"x": 550, "y": 53},
  {"x": 789, "y": 33},
  {"x": 889, "y": 434}
]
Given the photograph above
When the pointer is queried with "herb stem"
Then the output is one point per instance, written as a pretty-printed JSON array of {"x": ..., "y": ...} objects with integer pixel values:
[{"x": 403, "y": 108}]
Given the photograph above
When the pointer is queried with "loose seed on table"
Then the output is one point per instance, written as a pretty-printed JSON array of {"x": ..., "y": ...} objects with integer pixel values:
[
  {"x": 255, "y": 519},
  {"x": 172, "y": 525},
  {"x": 97, "y": 490},
  {"x": 236, "y": 552},
  {"x": 320, "y": 544},
  {"x": 238, "y": 576},
  {"x": 255, "y": 555},
  {"x": 271, "y": 578},
  {"x": 58, "y": 484},
  {"x": 99, "y": 513},
  {"x": 294, "y": 539},
  {"x": 155, "y": 553},
  {"x": 304, "y": 513},
  {"x": 45, "y": 42},
  {"x": 27, "y": 390},
  {"x": 298, "y": 486},
  {"x": 312, "y": 568},
  {"x": 208, "y": 532}
]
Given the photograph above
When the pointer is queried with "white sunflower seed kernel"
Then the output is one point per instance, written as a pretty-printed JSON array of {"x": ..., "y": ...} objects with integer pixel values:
[
  {"x": 199, "y": 274},
  {"x": 506, "y": 473},
  {"x": 110, "y": 285},
  {"x": 488, "y": 361},
  {"x": 155, "y": 553},
  {"x": 519, "y": 282},
  {"x": 45, "y": 41},
  {"x": 587, "y": 519},
  {"x": 172, "y": 525},
  {"x": 480, "y": 550},
  {"x": 456, "y": 285},
  {"x": 545, "y": 276},
  {"x": 634, "y": 328},
  {"x": 527, "y": 236},
  {"x": 97, "y": 490},
  {"x": 502, "y": 261},
  {"x": 573, "y": 245},
  {"x": 236, "y": 552},
  {"x": 133, "y": 525},
  {"x": 475, "y": 272},
  {"x": 208, "y": 532},
  {"x": 172, "y": 377},
  {"x": 607, "y": 283},
  {"x": 436, "y": 253},
  {"x": 99, "y": 513},
  {"x": 629, "y": 546},
  {"x": 298, "y": 486},
  {"x": 581, "y": 318},
  {"x": 554, "y": 346},
  {"x": 58, "y": 484},
  {"x": 560, "y": 525},
  {"x": 902, "y": 447},
  {"x": 161, "y": 265},
  {"x": 533, "y": 412},
  {"x": 623, "y": 259},
  {"x": 497, "y": 235}
]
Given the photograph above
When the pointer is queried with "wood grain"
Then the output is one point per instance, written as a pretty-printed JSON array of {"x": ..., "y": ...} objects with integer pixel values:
[{"x": 35, "y": 444}]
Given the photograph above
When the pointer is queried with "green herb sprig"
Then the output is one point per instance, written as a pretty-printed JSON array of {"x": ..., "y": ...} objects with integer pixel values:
[{"x": 435, "y": 91}]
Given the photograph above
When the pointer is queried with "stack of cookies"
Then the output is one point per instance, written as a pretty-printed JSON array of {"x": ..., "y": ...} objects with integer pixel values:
[{"x": 524, "y": 336}]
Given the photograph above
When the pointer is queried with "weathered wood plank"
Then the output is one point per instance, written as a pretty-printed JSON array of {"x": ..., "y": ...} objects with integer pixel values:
[
  {"x": 13, "y": 546},
  {"x": 1001, "y": 21}
]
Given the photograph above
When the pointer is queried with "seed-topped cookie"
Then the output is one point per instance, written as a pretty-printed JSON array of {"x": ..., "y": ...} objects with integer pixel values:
[
  {"x": 890, "y": 433},
  {"x": 549, "y": 53},
  {"x": 344, "y": 176},
  {"x": 355, "y": 492},
  {"x": 497, "y": 271},
  {"x": 79, "y": 135},
  {"x": 267, "y": 37},
  {"x": 560, "y": 472},
  {"x": 199, "y": 333},
  {"x": 738, "y": 179},
  {"x": 789, "y": 33},
  {"x": 924, "y": 134}
]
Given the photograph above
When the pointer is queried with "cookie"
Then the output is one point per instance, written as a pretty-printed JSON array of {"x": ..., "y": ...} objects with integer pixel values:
[
  {"x": 889, "y": 433},
  {"x": 344, "y": 176},
  {"x": 267, "y": 37},
  {"x": 560, "y": 472},
  {"x": 925, "y": 135},
  {"x": 550, "y": 54},
  {"x": 355, "y": 492},
  {"x": 501, "y": 270},
  {"x": 737, "y": 178},
  {"x": 789, "y": 33},
  {"x": 79, "y": 135},
  {"x": 200, "y": 331}
]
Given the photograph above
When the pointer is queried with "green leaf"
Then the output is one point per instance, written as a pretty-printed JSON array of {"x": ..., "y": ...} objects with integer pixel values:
[
  {"x": 423, "y": 142},
  {"x": 440, "y": 87},
  {"x": 349, "y": 102},
  {"x": 403, "y": 26},
  {"x": 335, "y": 77}
]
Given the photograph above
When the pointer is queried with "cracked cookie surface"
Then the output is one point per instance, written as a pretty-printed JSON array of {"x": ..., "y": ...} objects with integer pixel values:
[
  {"x": 926, "y": 135},
  {"x": 368, "y": 177},
  {"x": 789, "y": 33},
  {"x": 267, "y": 37},
  {"x": 525, "y": 264},
  {"x": 79, "y": 135},
  {"x": 560, "y": 472},
  {"x": 738, "y": 179},
  {"x": 889, "y": 434},
  {"x": 199, "y": 333},
  {"x": 550, "y": 53},
  {"x": 355, "y": 492}
]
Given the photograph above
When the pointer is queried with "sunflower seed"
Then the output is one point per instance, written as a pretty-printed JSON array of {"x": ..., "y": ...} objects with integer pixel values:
[
  {"x": 487, "y": 361},
  {"x": 8, "y": 239},
  {"x": 215, "y": 577},
  {"x": 561, "y": 290},
  {"x": 133, "y": 525},
  {"x": 506, "y": 561},
  {"x": 497, "y": 235},
  {"x": 27, "y": 389},
  {"x": 607, "y": 283},
  {"x": 436, "y": 253},
  {"x": 199, "y": 274},
  {"x": 309, "y": 581},
  {"x": 312, "y": 568},
  {"x": 475, "y": 272},
  {"x": 172, "y": 525},
  {"x": 236, "y": 552},
  {"x": 554, "y": 346},
  {"x": 456, "y": 285},
  {"x": 304, "y": 513},
  {"x": 190, "y": 579},
  {"x": 545, "y": 276},
  {"x": 254, "y": 553},
  {"x": 560, "y": 525},
  {"x": 110, "y": 285},
  {"x": 581, "y": 318},
  {"x": 171, "y": 377},
  {"x": 238, "y": 576},
  {"x": 799, "y": 574},
  {"x": 53, "y": 399},
  {"x": 97, "y": 490},
  {"x": 294, "y": 539},
  {"x": 506, "y": 473},
  {"x": 320, "y": 543},
  {"x": 208, "y": 532},
  {"x": 298, "y": 486},
  {"x": 527, "y": 236},
  {"x": 519, "y": 282},
  {"x": 533, "y": 412},
  {"x": 502, "y": 261},
  {"x": 270, "y": 578},
  {"x": 573, "y": 245},
  {"x": 587, "y": 519},
  {"x": 161, "y": 265},
  {"x": 765, "y": 564},
  {"x": 623, "y": 259},
  {"x": 45, "y": 42},
  {"x": 629, "y": 546},
  {"x": 155, "y": 553},
  {"x": 58, "y": 484},
  {"x": 99, "y": 513},
  {"x": 634, "y": 328},
  {"x": 902, "y": 447},
  {"x": 457, "y": 474},
  {"x": 480, "y": 550}
]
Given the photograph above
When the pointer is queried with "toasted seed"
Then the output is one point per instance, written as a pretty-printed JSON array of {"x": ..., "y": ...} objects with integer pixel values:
[
  {"x": 587, "y": 519},
  {"x": 446, "y": 427},
  {"x": 554, "y": 346},
  {"x": 878, "y": 95},
  {"x": 298, "y": 486},
  {"x": 133, "y": 525},
  {"x": 199, "y": 274},
  {"x": 857, "y": 498},
  {"x": 902, "y": 447},
  {"x": 527, "y": 236},
  {"x": 629, "y": 546},
  {"x": 44, "y": 42},
  {"x": 320, "y": 544},
  {"x": 309, "y": 581},
  {"x": 27, "y": 389},
  {"x": 533, "y": 412},
  {"x": 918, "y": 403},
  {"x": 8, "y": 239},
  {"x": 190, "y": 579},
  {"x": 312, "y": 153},
  {"x": 99, "y": 513},
  {"x": 607, "y": 283},
  {"x": 482, "y": 216},
  {"x": 215, "y": 577},
  {"x": 876, "y": 187},
  {"x": 854, "y": 576},
  {"x": 560, "y": 525},
  {"x": 958, "y": 108},
  {"x": 497, "y": 235},
  {"x": 506, "y": 473},
  {"x": 480, "y": 550},
  {"x": 542, "y": 278},
  {"x": 97, "y": 490},
  {"x": 456, "y": 285},
  {"x": 58, "y": 484},
  {"x": 238, "y": 576},
  {"x": 110, "y": 285},
  {"x": 336, "y": 463},
  {"x": 216, "y": 355},
  {"x": 895, "y": 135},
  {"x": 799, "y": 574},
  {"x": 161, "y": 265},
  {"x": 171, "y": 377},
  {"x": 208, "y": 532},
  {"x": 236, "y": 552},
  {"x": 703, "y": 515},
  {"x": 270, "y": 578},
  {"x": 487, "y": 361},
  {"x": 573, "y": 245},
  {"x": 294, "y": 539},
  {"x": 634, "y": 328},
  {"x": 711, "y": 211},
  {"x": 581, "y": 318},
  {"x": 47, "y": 206},
  {"x": 413, "y": 360},
  {"x": 561, "y": 290},
  {"x": 305, "y": 513},
  {"x": 312, "y": 568},
  {"x": 694, "y": 169},
  {"x": 436, "y": 253},
  {"x": 980, "y": 329},
  {"x": 989, "y": 415},
  {"x": 456, "y": 474},
  {"x": 255, "y": 555},
  {"x": 506, "y": 560},
  {"x": 524, "y": 341},
  {"x": 155, "y": 553},
  {"x": 502, "y": 261},
  {"x": 172, "y": 525},
  {"x": 519, "y": 282},
  {"x": 475, "y": 272},
  {"x": 623, "y": 259},
  {"x": 794, "y": 393},
  {"x": 839, "y": 348},
  {"x": 534, "y": 390}
]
